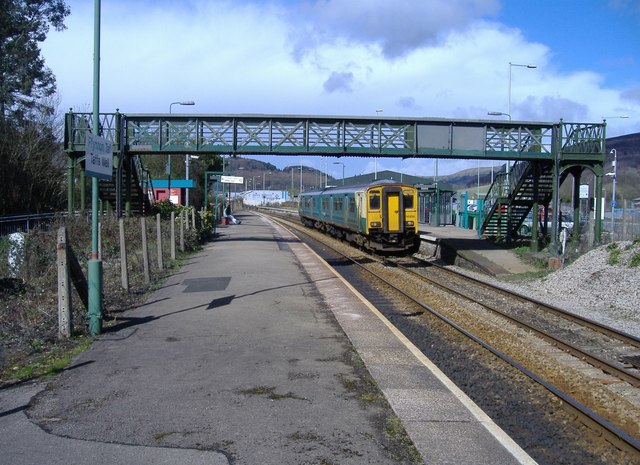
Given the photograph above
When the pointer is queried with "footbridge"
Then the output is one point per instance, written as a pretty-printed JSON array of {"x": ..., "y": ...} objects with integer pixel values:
[{"x": 542, "y": 154}]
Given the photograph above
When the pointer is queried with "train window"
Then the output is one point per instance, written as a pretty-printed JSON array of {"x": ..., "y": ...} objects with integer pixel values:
[
  {"x": 407, "y": 199},
  {"x": 352, "y": 204},
  {"x": 325, "y": 203},
  {"x": 337, "y": 204},
  {"x": 374, "y": 200}
]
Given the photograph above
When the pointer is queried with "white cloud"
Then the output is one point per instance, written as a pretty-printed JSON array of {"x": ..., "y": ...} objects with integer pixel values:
[
  {"x": 237, "y": 57},
  {"x": 397, "y": 28}
]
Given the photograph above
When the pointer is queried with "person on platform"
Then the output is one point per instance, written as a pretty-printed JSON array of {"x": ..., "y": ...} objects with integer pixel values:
[{"x": 230, "y": 218}]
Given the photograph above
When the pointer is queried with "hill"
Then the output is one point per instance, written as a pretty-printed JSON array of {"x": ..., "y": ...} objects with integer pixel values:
[
  {"x": 259, "y": 175},
  {"x": 628, "y": 171}
]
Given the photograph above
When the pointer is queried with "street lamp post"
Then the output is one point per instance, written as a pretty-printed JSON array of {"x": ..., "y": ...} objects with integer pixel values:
[
  {"x": 497, "y": 113},
  {"x": 508, "y": 113},
  {"x": 340, "y": 163},
  {"x": 185, "y": 102},
  {"x": 511, "y": 65},
  {"x": 187, "y": 161},
  {"x": 375, "y": 159},
  {"x": 613, "y": 193}
]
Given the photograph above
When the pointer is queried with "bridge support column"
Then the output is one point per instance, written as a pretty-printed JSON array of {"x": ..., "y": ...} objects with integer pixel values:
[
  {"x": 598, "y": 209},
  {"x": 577, "y": 174},
  {"x": 535, "y": 208},
  {"x": 128, "y": 173},
  {"x": 70, "y": 185},
  {"x": 82, "y": 181}
]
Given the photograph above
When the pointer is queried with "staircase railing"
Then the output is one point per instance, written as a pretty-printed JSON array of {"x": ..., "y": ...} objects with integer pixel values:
[
  {"x": 496, "y": 192},
  {"x": 145, "y": 180},
  {"x": 498, "y": 217}
]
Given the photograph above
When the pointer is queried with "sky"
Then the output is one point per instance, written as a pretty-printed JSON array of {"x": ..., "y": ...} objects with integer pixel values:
[{"x": 403, "y": 58}]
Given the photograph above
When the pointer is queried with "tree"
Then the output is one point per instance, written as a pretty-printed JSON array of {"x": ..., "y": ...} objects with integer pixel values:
[
  {"x": 32, "y": 179},
  {"x": 32, "y": 175},
  {"x": 24, "y": 78}
]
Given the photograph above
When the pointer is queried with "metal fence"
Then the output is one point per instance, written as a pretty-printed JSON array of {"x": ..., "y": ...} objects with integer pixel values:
[
  {"x": 25, "y": 223},
  {"x": 624, "y": 223}
]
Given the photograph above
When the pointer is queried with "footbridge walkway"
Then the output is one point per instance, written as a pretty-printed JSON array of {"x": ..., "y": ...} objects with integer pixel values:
[{"x": 543, "y": 154}]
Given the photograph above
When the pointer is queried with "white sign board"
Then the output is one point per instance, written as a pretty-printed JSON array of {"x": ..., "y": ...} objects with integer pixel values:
[
  {"x": 99, "y": 157},
  {"x": 232, "y": 179},
  {"x": 584, "y": 191}
]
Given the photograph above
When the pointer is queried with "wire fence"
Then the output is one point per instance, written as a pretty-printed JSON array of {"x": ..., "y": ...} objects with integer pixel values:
[{"x": 624, "y": 223}]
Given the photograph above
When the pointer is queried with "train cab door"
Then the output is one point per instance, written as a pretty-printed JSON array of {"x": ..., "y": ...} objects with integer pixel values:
[{"x": 392, "y": 210}]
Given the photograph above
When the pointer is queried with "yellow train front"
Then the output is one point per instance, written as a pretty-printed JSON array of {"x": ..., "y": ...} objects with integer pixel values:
[{"x": 381, "y": 216}]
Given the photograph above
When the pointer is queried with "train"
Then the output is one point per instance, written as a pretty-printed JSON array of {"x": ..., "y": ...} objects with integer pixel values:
[{"x": 381, "y": 216}]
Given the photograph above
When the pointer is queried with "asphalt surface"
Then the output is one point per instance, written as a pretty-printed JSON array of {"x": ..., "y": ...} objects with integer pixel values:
[{"x": 251, "y": 354}]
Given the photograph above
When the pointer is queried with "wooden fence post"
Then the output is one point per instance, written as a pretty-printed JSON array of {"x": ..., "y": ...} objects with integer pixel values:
[
  {"x": 64, "y": 286},
  {"x": 173, "y": 235},
  {"x": 124, "y": 273},
  {"x": 182, "y": 221},
  {"x": 159, "y": 241},
  {"x": 145, "y": 251}
]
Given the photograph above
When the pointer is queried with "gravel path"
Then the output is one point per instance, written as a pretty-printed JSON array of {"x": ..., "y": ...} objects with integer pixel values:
[{"x": 592, "y": 287}]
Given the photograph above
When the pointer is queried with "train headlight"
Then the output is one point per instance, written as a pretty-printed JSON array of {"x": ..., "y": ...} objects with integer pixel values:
[
  {"x": 375, "y": 224},
  {"x": 408, "y": 223}
]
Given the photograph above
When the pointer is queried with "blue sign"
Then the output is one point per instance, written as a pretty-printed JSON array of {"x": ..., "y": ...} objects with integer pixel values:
[{"x": 613, "y": 203}]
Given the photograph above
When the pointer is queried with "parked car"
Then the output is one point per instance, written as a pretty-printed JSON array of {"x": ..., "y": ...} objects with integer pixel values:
[{"x": 566, "y": 223}]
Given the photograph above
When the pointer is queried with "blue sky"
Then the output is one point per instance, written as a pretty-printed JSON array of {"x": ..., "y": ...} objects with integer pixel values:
[{"x": 410, "y": 58}]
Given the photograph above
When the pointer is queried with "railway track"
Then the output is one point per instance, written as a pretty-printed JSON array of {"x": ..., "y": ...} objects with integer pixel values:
[
  {"x": 586, "y": 341},
  {"x": 606, "y": 348}
]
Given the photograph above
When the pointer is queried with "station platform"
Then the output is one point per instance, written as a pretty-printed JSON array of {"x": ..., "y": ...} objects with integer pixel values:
[
  {"x": 255, "y": 352},
  {"x": 452, "y": 244}
]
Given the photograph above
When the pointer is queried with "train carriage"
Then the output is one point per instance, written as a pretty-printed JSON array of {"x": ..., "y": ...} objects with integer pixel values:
[{"x": 381, "y": 215}]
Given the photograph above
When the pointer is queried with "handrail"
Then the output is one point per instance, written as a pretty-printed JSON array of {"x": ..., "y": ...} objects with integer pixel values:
[
  {"x": 144, "y": 179},
  {"x": 22, "y": 223}
]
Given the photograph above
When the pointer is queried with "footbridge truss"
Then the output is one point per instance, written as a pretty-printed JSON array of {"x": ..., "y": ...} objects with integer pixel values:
[{"x": 536, "y": 148}]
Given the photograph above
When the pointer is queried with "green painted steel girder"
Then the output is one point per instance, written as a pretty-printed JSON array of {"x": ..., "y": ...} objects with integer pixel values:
[{"x": 341, "y": 136}]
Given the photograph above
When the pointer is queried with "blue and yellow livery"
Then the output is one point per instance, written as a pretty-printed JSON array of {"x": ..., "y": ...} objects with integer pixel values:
[{"x": 382, "y": 215}]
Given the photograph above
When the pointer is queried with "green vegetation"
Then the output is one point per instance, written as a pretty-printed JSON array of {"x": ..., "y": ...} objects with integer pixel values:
[
  {"x": 29, "y": 344},
  {"x": 269, "y": 391},
  {"x": 52, "y": 362},
  {"x": 395, "y": 429},
  {"x": 614, "y": 254},
  {"x": 32, "y": 175},
  {"x": 161, "y": 436}
]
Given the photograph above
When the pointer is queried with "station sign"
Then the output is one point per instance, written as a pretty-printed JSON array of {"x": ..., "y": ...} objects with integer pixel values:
[
  {"x": 584, "y": 191},
  {"x": 232, "y": 179},
  {"x": 98, "y": 157}
]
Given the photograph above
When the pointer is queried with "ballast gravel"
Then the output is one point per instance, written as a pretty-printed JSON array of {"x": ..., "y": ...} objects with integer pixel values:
[{"x": 602, "y": 285}]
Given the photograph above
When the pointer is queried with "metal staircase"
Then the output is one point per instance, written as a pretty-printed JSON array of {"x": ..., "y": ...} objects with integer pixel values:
[
  {"x": 135, "y": 184},
  {"x": 513, "y": 195}
]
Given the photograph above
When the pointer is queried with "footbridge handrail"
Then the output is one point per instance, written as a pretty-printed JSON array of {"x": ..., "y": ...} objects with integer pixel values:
[{"x": 327, "y": 135}]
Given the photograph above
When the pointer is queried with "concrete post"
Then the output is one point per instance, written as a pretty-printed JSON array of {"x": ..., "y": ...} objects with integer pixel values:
[{"x": 64, "y": 286}]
